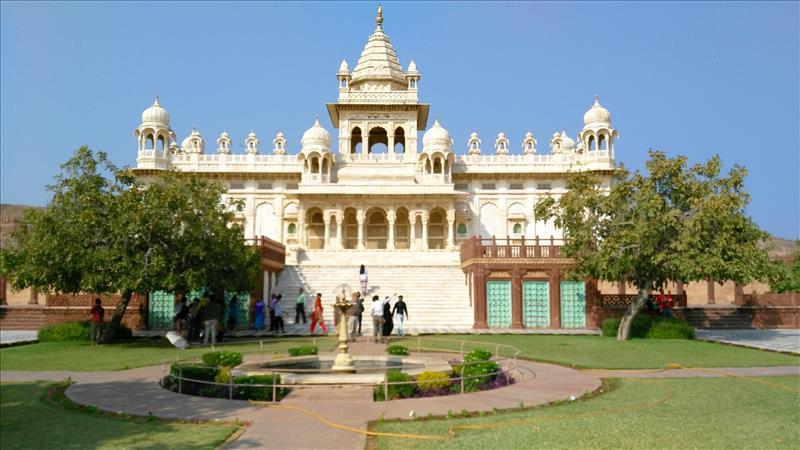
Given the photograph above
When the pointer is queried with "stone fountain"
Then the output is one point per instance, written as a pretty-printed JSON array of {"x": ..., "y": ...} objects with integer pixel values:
[{"x": 343, "y": 362}]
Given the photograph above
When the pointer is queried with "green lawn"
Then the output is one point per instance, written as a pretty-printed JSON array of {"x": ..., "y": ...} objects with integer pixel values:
[
  {"x": 608, "y": 353},
  {"x": 139, "y": 353},
  {"x": 697, "y": 413},
  {"x": 29, "y": 421}
]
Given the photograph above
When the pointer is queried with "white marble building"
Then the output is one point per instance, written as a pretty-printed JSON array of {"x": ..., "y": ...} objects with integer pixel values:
[{"x": 374, "y": 192}]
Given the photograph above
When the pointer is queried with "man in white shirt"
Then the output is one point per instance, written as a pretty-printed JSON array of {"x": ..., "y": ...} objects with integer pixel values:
[{"x": 377, "y": 318}]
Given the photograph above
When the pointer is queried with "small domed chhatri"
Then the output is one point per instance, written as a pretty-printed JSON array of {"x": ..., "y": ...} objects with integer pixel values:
[
  {"x": 156, "y": 114},
  {"x": 378, "y": 182},
  {"x": 597, "y": 115}
]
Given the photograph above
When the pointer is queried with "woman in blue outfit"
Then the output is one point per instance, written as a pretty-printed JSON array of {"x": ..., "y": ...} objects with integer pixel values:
[{"x": 258, "y": 322}]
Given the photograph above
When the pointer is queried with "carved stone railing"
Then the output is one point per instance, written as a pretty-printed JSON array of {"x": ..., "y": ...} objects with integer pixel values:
[
  {"x": 271, "y": 250},
  {"x": 623, "y": 301},
  {"x": 477, "y": 247},
  {"x": 378, "y": 97}
]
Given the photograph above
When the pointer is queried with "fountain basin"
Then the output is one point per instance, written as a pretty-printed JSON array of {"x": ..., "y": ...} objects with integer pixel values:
[{"x": 369, "y": 369}]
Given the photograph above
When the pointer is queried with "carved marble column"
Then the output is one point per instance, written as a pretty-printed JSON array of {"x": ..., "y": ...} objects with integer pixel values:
[
  {"x": 339, "y": 238},
  {"x": 301, "y": 227},
  {"x": 391, "y": 216},
  {"x": 326, "y": 219},
  {"x": 424, "y": 233},
  {"x": 451, "y": 221},
  {"x": 360, "y": 220},
  {"x": 390, "y": 143},
  {"x": 412, "y": 232}
]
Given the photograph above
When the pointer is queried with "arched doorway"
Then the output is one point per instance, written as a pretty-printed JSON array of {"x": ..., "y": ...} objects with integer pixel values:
[
  {"x": 399, "y": 140},
  {"x": 402, "y": 229},
  {"x": 267, "y": 223},
  {"x": 316, "y": 230},
  {"x": 378, "y": 141},
  {"x": 350, "y": 229},
  {"x": 377, "y": 229},
  {"x": 355, "y": 141},
  {"x": 437, "y": 226}
]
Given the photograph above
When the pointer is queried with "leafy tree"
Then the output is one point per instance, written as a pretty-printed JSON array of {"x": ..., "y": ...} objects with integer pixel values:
[
  {"x": 784, "y": 277},
  {"x": 673, "y": 222},
  {"x": 105, "y": 231}
]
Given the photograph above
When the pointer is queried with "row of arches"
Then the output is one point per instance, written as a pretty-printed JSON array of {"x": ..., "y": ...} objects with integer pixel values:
[
  {"x": 598, "y": 140},
  {"x": 377, "y": 140},
  {"x": 150, "y": 139}
]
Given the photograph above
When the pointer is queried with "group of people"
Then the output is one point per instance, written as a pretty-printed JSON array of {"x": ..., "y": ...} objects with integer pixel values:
[
  {"x": 204, "y": 316},
  {"x": 275, "y": 314},
  {"x": 664, "y": 303},
  {"x": 383, "y": 314}
]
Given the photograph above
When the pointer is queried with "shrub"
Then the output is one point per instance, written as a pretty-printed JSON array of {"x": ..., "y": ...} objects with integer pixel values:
[
  {"x": 222, "y": 359},
  {"x": 76, "y": 331},
  {"x": 483, "y": 372},
  {"x": 395, "y": 390},
  {"x": 194, "y": 371},
  {"x": 262, "y": 393},
  {"x": 478, "y": 354},
  {"x": 428, "y": 381},
  {"x": 639, "y": 328},
  {"x": 671, "y": 329},
  {"x": 397, "y": 350},
  {"x": 304, "y": 350},
  {"x": 223, "y": 375}
]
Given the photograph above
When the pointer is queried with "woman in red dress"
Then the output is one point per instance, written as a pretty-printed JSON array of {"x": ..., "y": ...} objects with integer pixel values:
[{"x": 316, "y": 315}]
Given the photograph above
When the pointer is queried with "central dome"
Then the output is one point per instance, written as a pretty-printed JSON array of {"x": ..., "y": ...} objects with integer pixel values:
[{"x": 378, "y": 60}]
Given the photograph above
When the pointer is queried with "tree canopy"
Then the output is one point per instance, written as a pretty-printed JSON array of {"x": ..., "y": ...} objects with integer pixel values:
[
  {"x": 673, "y": 222},
  {"x": 105, "y": 231}
]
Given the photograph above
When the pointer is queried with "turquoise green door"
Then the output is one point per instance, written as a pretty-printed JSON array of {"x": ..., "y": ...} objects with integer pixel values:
[
  {"x": 536, "y": 303},
  {"x": 573, "y": 304},
  {"x": 161, "y": 310},
  {"x": 498, "y": 304}
]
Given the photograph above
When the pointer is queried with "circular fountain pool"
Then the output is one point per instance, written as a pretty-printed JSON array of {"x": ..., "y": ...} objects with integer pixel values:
[{"x": 317, "y": 369}]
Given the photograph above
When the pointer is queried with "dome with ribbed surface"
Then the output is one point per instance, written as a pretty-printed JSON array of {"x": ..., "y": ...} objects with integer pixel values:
[
  {"x": 436, "y": 137},
  {"x": 156, "y": 114},
  {"x": 316, "y": 136},
  {"x": 597, "y": 114}
]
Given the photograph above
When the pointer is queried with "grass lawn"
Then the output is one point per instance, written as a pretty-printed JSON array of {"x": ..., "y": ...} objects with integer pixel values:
[
  {"x": 138, "y": 353},
  {"x": 28, "y": 420},
  {"x": 608, "y": 353},
  {"x": 696, "y": 413}
]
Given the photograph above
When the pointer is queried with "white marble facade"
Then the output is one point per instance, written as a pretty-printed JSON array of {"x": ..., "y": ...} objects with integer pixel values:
[{"x": 376, "y": 186}]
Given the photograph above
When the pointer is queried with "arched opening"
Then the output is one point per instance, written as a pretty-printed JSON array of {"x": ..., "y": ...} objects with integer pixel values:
[
  {"x": 488, "y": 220},
  {"x": 160, "y": 143},
  {"x": 325, "y": 165},
  {"x": 517, "y": 228},
  {"x": 474, "y": 145},
  {"x": 332, "y": 228},
  {"x": 316, "y": 230},
  {"x": 436, "y": 229},
  {"x": 428, "y": 166},
  {"x": 292, "y": 229},
  {"x": 350, "y": 229},
  {"x": 399, "y": 140},
  {"x": 355, "y": 140},
  {"x": 377, "y": 229},
  {"x": 602, "y": 142},
  {"x": 267, "y": 222},
  {"x": 462, "y": 230},
  {"x": 149, "y": 143},
  {"x": 315, "y": 165},
  {"x": 378, "y": 141},
  {"x": 529, "y": 145},
  {"x": 402, "y": 229},
  {"x": 437, "y": 165},
  {"x": 591, "y": 143}
]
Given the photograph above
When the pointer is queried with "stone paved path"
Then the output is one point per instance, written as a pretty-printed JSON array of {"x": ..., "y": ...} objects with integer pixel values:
[{"x": 778, "y": 340}]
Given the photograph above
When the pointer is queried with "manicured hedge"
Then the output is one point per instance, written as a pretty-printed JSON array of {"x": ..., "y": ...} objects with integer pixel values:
[
  {"x": 429, "y": 381},
  {"x": 222, "y": 359},
  {"x": 395, "y": 390},
  {"x": 305, "y": 350},
  {"x": 77, "y": 331},
  {"x": 650, "y": 327},
  {"x": 397, "y": 350},
  {"x": 262, "y": 393}
]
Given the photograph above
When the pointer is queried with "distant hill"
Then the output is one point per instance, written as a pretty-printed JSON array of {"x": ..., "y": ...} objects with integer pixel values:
[{"x": 11, "y": 214}]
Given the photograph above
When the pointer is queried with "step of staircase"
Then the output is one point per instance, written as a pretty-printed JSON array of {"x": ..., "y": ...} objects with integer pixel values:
[
  {"x": 22, "y": 318},
  {"x": 718, "y": 318},
  {"x": 433, "y": 285}
]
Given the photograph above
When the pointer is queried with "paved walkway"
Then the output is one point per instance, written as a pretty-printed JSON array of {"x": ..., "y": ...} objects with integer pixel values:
[
  {"x": 777, "y": 340},
  {"x": 8, "y": 337}
]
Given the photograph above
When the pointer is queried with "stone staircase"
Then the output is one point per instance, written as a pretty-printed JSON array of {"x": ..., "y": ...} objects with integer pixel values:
[
  {"x": 719, "y": 317},
  {"x": 22, "y": 317},
  {"x": 432, "y": 284}
]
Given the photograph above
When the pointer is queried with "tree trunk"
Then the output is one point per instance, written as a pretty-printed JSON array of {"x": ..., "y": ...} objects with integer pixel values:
[
  {"x": 111, "y": 331},
  {"x": 624, "y": 331}
]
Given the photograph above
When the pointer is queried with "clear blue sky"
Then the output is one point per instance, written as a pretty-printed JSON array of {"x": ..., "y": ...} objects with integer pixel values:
[{"x": 686, "y": 78}]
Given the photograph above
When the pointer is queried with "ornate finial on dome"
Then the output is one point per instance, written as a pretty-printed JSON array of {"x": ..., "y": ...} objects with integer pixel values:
[
  {"x": 155, "y": 102},
  {"x": 379, "y": 19},
  {"x": 316, "y": 121},
  {"x": 596, "y": 99}
]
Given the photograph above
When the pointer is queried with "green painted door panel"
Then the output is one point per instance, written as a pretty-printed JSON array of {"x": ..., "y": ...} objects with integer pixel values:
[
  {"x": 573, "y": 304},
  {"x": 536, "y": 303},
  {"x": 498, "y": 304}
]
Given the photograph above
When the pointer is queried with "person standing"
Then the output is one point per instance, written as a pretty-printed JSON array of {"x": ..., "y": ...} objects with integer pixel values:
[
  {"x": 360, "y": 301},
  {"x": 233, "y": 313},
  {"x": 258, "y": 314},
  {"x": 668, "y": 305},
  {"x": 401, "y": 313},
  {"x": 271, "y": 306},
  {"x": 193, "y": 320},
  {"x": 377, "y": 318},
  {"x": 352, "y": 314},
  {"x": 211, "y": 317},
  {"x": 181, "y": 314},
  {"x": 278, "y": 308},
  {"x": 388, "y": 323},
  {"x": 300, "y": 308},
  {"x": 97, "y": 312},
  {"x": 362, "y": 279},
  {"x": 316, "y": 315}
]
